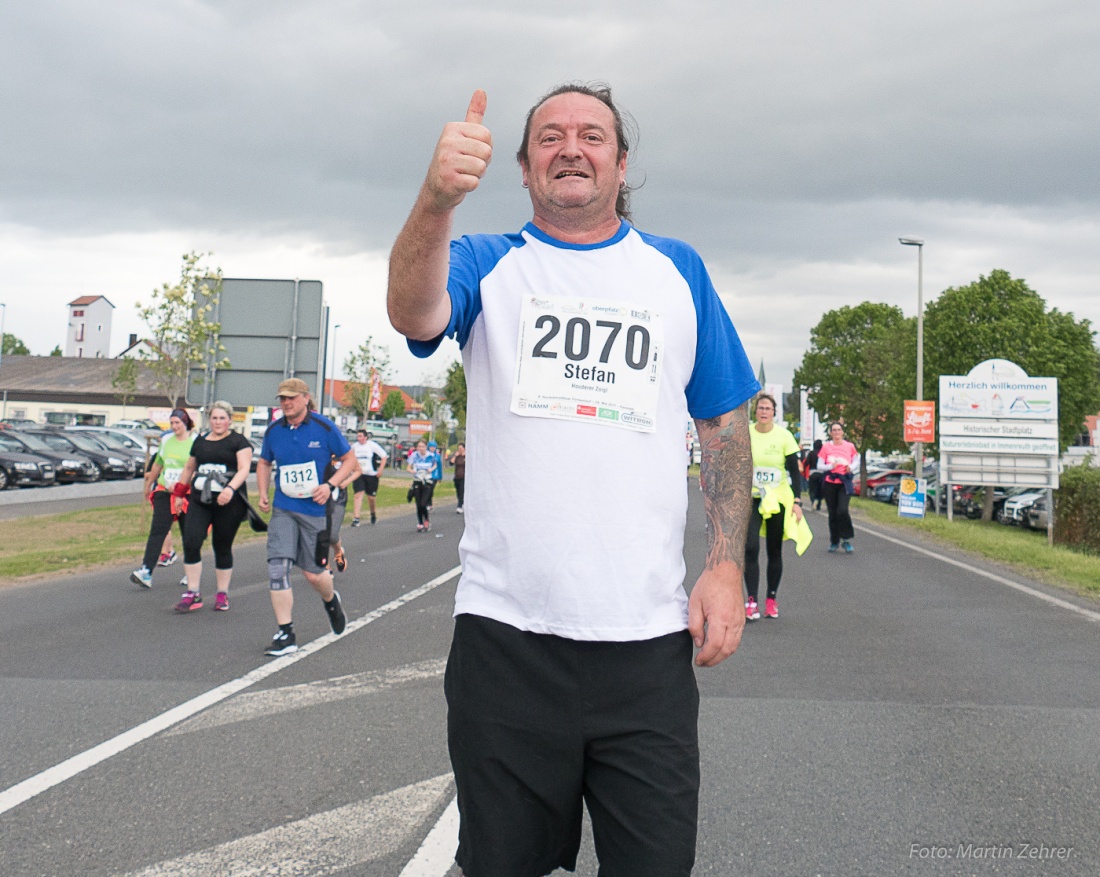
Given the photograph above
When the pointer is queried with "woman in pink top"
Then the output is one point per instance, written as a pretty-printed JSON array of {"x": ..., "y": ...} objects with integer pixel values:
[{"x": 836, "y": 459}]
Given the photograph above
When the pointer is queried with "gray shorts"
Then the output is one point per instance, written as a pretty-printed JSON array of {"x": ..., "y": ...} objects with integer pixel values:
[{"x": 293, "y": 536}]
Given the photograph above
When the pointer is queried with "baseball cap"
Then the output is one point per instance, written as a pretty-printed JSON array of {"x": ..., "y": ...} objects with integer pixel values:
[{"x": 293, "y": 387}]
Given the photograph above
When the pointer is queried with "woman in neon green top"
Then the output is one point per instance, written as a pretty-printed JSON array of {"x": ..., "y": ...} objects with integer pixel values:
[
  {"x": 776, "y": 487},
  {"x": 175, "y": 449}
]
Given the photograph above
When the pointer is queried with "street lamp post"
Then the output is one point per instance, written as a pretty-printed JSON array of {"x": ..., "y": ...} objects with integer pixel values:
[
  {"x": 918, "y": 448},
  {"x": 332, "y": 380}
]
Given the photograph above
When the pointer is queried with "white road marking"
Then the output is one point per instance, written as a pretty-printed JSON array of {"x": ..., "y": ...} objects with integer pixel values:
[
  {"x": 1063, "y": 604},
  {"x": 256, "y": 704},
  {"x": 436, "y": 855},
  {"x": 323, "y": 843},
  {"x": 59, "y": 773}
]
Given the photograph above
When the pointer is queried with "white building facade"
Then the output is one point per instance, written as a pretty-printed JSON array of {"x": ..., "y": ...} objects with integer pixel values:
[{"x": 89, "y": 332}]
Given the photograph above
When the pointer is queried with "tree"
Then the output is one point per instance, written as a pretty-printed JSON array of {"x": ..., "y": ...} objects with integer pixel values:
[
  {"x": 999, "y": 317},
  {"x": 394, "y": 406},
  {"x": 454, "y": 392},
  {"x": 12, "y": 346},
  {"x": 360, "y": 363},
  {"x": 181, "y": 328},
  {"x": 859, "y": 370},
  {"x": 56, "y": 351},
  {"x": 124, "y": 382}
]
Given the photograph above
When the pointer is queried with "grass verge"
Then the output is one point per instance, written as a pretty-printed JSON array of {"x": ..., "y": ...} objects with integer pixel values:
[
  {"x": 1024, "y": 550},
  {"x": 85, "y": 539}
]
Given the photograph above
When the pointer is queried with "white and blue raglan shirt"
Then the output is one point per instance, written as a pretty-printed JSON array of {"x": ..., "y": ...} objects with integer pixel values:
[{"x": 583, "y": 364}]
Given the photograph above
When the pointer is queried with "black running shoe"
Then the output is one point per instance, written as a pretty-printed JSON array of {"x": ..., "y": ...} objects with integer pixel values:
[
  {"x": 336, "y": 618},
  {"x": 283, "y": 644}
]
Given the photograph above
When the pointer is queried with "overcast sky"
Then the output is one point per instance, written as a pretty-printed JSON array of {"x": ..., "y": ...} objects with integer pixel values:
[{"x": 791, "y": 143}]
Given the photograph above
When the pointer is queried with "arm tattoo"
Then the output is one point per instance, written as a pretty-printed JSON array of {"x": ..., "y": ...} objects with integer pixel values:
[{"x": 726, "y": 475}]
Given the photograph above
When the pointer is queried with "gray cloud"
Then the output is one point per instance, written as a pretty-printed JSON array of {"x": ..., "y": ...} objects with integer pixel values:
[{"x": 771, "y": 135}]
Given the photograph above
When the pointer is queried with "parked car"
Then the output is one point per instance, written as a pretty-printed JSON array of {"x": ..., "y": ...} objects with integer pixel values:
[
  {"x": 1000, "y": 494},
  {"x": 1014, "y": 510},
  {"x": 875, "y": 477},
  {"x": 16, "y": 423},
  {"x": 257, "y": 446},
  {"x": 68, "y": 466},
  {"x": 885, "y": 489},
  {"x": 1038, "y": 515},
  {"x": 21, "y": 469},
  {"x": 143, "y": 425},
  {"x": 132, "y": 439},
  {"x": 112, "y": 464},
  {"x": 131, "y": 445}
]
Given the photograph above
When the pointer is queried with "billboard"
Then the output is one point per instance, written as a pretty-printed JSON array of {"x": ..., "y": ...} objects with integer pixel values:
[
  {"x": 919, "y": 421},
  {"x": 999, "y": 426},
  {"x": 271, "y": 330}
]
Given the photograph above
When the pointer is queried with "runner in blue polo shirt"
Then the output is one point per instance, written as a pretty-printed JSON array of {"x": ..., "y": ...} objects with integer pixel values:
[{"x": 301, "y": 444}]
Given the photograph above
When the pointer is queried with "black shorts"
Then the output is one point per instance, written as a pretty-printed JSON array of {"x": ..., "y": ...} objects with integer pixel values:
[
  {"x": 368, "y": 483},
  {"x": 538, "y": 724}
]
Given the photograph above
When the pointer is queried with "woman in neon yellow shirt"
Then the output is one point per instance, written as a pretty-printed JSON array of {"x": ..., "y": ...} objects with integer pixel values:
[
  {"x": 776, "y": 487},
  {"x": 175, "y": 449}
]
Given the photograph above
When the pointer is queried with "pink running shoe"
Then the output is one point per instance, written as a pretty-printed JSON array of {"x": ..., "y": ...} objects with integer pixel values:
[
  {"x": 771, "y": 608},
  {"x": 190, "y": 601},
  {"x": 752, "y": 611},
  {"x": 221, "y": 601}
]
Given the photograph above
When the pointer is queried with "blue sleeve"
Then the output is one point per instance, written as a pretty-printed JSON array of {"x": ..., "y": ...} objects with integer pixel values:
[
  {"x": 722, "y": 378},
  {"x": 472, "y": 258}
]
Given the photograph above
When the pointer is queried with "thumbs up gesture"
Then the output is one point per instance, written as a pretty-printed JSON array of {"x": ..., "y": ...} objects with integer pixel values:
[{"x": 461, "y": 158}]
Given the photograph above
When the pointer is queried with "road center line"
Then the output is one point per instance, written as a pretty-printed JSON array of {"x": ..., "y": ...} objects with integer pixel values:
[
  {"x": 1063, "y": 604},
  {"x": 47, "y": 779}
]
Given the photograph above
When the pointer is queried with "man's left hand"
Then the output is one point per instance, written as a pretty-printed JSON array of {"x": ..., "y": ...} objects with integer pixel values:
[
  {"x": 716, "y": 615},
  {"x": 322, "y": 493}
]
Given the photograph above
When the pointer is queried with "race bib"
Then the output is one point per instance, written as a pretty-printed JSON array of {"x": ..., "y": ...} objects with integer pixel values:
[
  {"x": 588, "y": 361},
  {"x": 836, "y": 461},
  {"x": 767, "y": 477},
  {"x": 171, "y": 477},
  {"x": 298, "y": 480}
]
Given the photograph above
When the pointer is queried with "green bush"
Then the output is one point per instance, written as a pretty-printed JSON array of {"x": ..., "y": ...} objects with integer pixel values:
[{"x": 1077, "y": 508}]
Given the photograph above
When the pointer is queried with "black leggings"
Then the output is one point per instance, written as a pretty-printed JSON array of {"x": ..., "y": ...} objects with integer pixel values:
[
  {"x": 226, "y": 519},
  {"x": 816, "y": 483},
  {"x": 460, "y": 490},
  {"x": 840, "y": 522},
  {"x": 422, "y": 491},
  {"x": 160, "y": 527},
  {"x": 773, "y": 540}
]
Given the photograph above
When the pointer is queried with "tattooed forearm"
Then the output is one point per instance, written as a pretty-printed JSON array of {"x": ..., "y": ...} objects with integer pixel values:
[{"x": 726, "y": 475}]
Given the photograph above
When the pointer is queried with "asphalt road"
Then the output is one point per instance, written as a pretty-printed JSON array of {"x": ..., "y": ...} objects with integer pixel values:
[{"x": 904, "y": 715}]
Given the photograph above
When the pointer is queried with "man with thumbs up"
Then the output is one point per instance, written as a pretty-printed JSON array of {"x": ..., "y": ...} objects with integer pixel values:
[{"x": 570, "y": 677}]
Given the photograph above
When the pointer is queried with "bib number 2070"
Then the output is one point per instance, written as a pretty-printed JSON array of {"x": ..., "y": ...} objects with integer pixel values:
[{"x": 576, "y": 341}]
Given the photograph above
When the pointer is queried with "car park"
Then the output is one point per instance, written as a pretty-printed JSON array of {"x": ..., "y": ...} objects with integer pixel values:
[
  {"x": 131, "y": 439},
  {"x": 20, "y": 469},
  {"x": 119, "y": 443},
  {"x": 112, "y": 464},
  {"x": 69, "y": 466}
]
